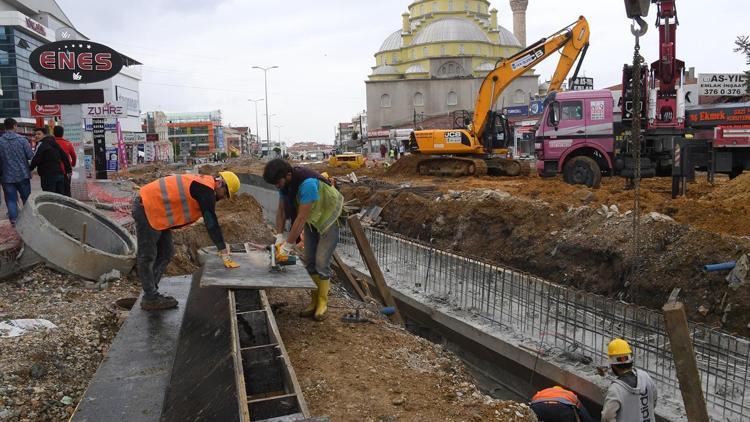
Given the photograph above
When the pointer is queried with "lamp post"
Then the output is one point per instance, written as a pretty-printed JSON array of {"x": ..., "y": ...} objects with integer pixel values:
[
  {"x": 265, "y": 81},
  {"x": 279, "y": 128},
  {"x": 257, "y": 133}
]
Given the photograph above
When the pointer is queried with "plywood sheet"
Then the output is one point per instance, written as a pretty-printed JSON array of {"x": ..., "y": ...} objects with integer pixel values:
[{"x": 254, "y": 272}]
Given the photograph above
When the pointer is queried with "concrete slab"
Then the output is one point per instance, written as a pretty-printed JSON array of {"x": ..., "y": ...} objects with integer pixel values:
[
  {"x": 253, "y": 273},
  {"x": 130, "y": 383}
]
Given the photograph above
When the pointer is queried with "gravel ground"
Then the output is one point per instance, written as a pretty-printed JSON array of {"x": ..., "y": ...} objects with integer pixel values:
[{"x": 43, "y": 374}]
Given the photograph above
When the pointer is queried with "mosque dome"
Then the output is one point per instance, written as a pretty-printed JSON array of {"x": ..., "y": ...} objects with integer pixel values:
[
  {"x": 507, "y": 37},
  {"x": 393, "y": 42},
  {"x": 450, "y": 29},
  {"x": 385, "y": 70}
]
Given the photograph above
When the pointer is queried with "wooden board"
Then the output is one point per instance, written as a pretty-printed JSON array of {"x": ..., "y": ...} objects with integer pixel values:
[{"x": 254, "y": 272}]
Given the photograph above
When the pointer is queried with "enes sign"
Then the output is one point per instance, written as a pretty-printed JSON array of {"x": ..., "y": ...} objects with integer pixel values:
[{"x": 76, "y": 61}]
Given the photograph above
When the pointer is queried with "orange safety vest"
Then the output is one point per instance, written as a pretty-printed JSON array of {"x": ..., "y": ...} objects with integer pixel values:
[
  {"x": 167, "y": 201},
  {"x": 558, "y": 395}
]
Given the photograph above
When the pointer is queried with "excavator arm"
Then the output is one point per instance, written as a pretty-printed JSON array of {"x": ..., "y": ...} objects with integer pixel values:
[{"x": 572, "y": 40}]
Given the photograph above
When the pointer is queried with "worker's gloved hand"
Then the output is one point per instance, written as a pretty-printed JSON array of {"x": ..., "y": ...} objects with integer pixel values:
[
  {"x": 227, "y": 259},
  {"x": 280, "y": 239},
  {"x": 287, "y": 248}
]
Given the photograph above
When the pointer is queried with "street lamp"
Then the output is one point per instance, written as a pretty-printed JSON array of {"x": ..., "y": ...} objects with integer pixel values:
[
  {"x": 257, "y": 133},
  {"x": 279, "y": 128},
  {"x": 265, "y": 81}
]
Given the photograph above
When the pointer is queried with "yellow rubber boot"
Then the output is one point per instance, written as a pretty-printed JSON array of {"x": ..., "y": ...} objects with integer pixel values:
[
  {"x": 310, "y": 310},
  {"x": 322, "y": 306}
]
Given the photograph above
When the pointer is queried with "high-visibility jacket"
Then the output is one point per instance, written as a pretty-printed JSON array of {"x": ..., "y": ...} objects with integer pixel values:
[
  {"x": 167, "y": 201},
  {"x": 556, "y": 394}
]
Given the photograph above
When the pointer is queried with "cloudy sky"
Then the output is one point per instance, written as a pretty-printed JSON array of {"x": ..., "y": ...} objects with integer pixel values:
[{"x": 198, "y": 54}]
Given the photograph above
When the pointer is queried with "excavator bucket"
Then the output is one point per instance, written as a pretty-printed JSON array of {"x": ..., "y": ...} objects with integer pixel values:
[{"x": 637, "y": 8}]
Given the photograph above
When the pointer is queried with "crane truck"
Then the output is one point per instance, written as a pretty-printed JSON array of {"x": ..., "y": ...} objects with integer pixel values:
[
  {"x": 578, "y": 136},
  {"x": 480, "y": 146}
]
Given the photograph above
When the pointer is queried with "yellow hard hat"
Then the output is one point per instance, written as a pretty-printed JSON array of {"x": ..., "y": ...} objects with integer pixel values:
[
  {"x": 232, "y": 182},
  {"x": 619, "y": 352}
]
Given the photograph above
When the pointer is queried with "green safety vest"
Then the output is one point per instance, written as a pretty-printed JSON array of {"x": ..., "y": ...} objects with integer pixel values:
[{"x": 326, "y": 210}]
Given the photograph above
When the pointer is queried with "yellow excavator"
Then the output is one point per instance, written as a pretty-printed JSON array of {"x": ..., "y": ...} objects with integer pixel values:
[{"x": 479, "y": 147}]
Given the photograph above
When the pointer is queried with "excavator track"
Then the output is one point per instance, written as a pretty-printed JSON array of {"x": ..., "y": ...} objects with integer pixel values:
[
  {"x": 498, "y": 166},
  {"x": 452, "y": 166}
]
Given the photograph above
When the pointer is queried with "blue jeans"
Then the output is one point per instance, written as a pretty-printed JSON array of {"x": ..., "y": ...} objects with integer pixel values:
[
  {"x": 11, "y": 192},
  {"x": 319, "y": 250}
]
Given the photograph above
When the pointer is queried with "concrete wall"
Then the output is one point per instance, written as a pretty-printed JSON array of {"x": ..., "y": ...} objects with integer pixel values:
[{"x": 435, "y": 94}]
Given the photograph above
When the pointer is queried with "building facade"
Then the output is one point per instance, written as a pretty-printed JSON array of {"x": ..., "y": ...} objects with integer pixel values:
[
  {"x": 201, "y": 132},
  {"x": 436, "y": 62}
]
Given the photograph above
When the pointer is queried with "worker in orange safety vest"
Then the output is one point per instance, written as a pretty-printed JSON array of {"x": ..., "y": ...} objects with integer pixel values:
[
  {"x": 557, "y": 404},
  {"x": 172, "y": 202}
]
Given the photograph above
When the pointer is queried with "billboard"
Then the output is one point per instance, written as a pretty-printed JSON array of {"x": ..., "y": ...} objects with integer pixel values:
[{"x": 727, "y": 84}]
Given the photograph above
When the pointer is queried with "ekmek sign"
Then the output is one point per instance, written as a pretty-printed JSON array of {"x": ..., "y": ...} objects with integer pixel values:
[{"x": 76, "y": 61}]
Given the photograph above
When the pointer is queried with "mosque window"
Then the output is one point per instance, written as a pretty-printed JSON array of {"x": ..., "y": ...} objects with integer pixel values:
[
  {"x": 418, "y": 99},
  {"x": 425, "y": 52},
  {"x": 461, "y": 49},
  {"x": 413, "y": 54},
  {"x": 452, "y": 99},
  {"x": 479, "y": 7},
  {"x": 479, "y": 50},
  {"x": 450, "y": 5},
  {"x": 385, "y": 101},
  {"x": 394, "y": 59},
  {"x": 421, "y": 9},
  {"x": 450, "y": 70},
  {"x": 466, "y": 6},
  {"x": 442, "y": 50},
  {"x": 519, "y": 97},
  {"x": 434, "y": 7}
]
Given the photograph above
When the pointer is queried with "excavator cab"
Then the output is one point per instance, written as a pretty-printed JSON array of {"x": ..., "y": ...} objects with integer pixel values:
[{"x": 499, "y": 134}]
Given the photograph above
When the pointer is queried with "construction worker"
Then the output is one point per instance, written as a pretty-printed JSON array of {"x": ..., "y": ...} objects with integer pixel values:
[
  {"x": 313, "y": 205},
  {"x": 172, "y": 202},
  {"x": 557, "y": 404},
  {"x": 632, "y": 396}
]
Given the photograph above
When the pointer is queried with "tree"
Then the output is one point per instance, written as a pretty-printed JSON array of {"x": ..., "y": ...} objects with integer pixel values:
[{"x": 743, "y": 46}]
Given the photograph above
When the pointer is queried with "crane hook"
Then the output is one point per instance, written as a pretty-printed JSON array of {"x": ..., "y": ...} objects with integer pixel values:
[{"x": 641, "y": 29}]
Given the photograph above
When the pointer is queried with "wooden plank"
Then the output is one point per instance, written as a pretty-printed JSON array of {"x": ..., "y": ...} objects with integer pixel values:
[
  {"x": 685, "y": 363},
  {"x": 239, "y": 374},
  {"x": 372, "y": 264},
  {"x": 349, "y": 278}
]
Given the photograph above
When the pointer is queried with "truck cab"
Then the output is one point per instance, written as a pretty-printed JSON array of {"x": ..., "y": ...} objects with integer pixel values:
[{"x": 575, "y": 136}]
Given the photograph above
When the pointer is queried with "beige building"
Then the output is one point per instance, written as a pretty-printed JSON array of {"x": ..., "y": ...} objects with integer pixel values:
[{"x": 435, "y": 63}]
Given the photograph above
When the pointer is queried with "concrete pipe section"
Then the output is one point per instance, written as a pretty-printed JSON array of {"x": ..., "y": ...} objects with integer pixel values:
[{"x": 75, "y": 237}]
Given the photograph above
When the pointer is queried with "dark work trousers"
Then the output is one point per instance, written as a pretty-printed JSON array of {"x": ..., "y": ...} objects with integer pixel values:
[
  {"x": 554, "y": 412},
  {"x": 155, "y": 250},
  {"x": 67, "y": 185},
  {"x": 53, "y": 183}
]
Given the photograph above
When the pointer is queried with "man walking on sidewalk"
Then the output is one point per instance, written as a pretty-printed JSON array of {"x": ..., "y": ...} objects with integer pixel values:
[
  {"x": 172, "y": 202},
  {"x": 66, "y": 146},
  {"x": 51, "y": 161},
  {"x": 15, "y": 153},
  {"x": 313, "y": 205}
]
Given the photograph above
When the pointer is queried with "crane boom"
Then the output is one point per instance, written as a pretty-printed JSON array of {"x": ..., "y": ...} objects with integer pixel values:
[{"x": 572, "y": 40}]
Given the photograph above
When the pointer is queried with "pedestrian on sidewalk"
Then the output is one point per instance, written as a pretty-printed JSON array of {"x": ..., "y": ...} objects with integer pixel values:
[
  {"x": 557, "y": 404},
  {"x": 312, "y": 204},
  {"x": 15, "y": 153},
  {"x": 66, "y": 146},
  {"x": 172, "y": 202},
  {"x": 632, "y": 396},
  {"x": 50, "y": 161},
  {"x": 383, "y": 150}
]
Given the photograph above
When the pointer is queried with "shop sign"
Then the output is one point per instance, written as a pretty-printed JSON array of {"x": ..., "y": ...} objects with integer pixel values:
[
  {"x": 44, "y": 110},
  {"x": 727, "y": 84},
  {"x": 112, "y": 160},
  {"x": 581, "y": 84},
  {"x": 104, "y": 111},
  {"x": 517, "y": 111},
  {"x": 536, "y": 108},
  {"x": 134, "y": 137},
  {"x": 79, "y": 62},
  {"x": 130, "y": 98},
  {"x": 36, "y": 27},
  {"x": 378, "y": 133},
  {"x": 152, "y": 137}
]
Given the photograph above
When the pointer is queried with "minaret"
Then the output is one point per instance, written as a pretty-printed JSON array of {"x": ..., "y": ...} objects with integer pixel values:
[{"x": 519, "y": 19}]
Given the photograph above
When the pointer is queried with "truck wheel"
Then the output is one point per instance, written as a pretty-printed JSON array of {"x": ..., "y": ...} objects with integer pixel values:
[{"x": 582, "y": 170}]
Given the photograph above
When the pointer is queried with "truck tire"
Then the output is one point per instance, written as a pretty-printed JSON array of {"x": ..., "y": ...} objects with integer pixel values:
[{"x": 582, "y": 170}]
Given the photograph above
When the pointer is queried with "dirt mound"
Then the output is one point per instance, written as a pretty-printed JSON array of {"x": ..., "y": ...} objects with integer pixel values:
[
  {"x": 735, "y": 190},
  {"x": 241, "y": 220},
  {"x": 405, "y": 166},
  {"x": 579, "y": 246}
]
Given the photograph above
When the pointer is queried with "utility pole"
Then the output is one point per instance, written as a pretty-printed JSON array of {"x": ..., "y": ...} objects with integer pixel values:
[
  {"x": 257, "y": 131},
  {"x": 265, "y": 82}
]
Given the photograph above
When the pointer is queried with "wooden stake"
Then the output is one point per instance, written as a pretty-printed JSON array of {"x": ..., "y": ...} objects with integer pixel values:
[
  {"x": 372, "y": 264},
  {"x": 684, "y": 360},
  {"x": 349, "y": 278}
]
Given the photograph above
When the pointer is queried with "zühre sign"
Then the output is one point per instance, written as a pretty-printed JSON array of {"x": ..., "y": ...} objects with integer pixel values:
[{"x": 76, "y": 61}]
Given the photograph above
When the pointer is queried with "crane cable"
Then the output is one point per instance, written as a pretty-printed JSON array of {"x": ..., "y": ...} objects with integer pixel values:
[{"x": 636, "y": 151}]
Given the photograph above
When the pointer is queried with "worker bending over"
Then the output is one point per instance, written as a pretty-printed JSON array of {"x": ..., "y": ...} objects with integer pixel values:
[
  {"x": 172, "y": 202},
  {"x": 557, "y": 404},
  {"x": 632, "y": 396},
  {"x": 313, "y": 205}
]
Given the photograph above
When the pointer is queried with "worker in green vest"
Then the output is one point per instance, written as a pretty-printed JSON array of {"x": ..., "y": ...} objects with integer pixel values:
[{"x": 314, "y": 206}]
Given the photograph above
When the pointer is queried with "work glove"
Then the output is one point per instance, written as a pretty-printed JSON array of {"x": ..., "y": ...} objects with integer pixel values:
[
  {"x": 287, "y": 248},
  {"x": 280, "y": 239},
  {"x": 227, "y": 259}
]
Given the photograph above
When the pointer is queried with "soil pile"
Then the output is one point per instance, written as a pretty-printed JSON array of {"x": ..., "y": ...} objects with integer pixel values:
[
  {"x": 241, "y": 220},
  {"x": 406, "y": 165},
  {"x": 736, "y": 190},
  {"x": 377, "y": 372},
  {"x": 582, "y": 246},
  {"x": 43, "y": 374}
]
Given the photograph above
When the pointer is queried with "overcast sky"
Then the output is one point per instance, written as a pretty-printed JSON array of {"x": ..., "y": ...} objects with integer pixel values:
[{"x": 198, "y": 54}]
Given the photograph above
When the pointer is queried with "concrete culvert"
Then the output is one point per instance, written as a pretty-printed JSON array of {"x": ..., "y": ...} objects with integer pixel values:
[{"x": 74, "y": 237}]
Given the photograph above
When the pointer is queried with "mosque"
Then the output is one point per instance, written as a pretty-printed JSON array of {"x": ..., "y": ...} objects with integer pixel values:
[{"x": 435, "y": 63}]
